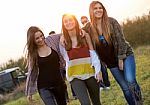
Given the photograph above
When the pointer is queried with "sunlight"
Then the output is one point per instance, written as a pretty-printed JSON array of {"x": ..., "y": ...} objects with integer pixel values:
[{"x": 17, "y": 16}]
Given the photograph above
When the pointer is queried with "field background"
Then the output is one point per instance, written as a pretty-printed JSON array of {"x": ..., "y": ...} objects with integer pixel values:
[{"x": 137, "y": 32}]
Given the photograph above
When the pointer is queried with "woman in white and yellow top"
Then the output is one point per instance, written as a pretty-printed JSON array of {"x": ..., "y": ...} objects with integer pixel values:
[{"x": 82, "y": 63}]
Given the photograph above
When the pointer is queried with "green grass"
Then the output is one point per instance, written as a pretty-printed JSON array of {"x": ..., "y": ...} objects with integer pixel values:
[{"x": 114, "y": 96}]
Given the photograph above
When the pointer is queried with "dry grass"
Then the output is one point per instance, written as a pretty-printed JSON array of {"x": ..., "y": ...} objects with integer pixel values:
[{"x": 19, "y": 91}]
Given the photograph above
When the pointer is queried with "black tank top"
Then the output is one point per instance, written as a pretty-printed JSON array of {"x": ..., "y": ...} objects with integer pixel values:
[
  {"x": 107, "y": 53},
  {"x": 49, "y": 72}
]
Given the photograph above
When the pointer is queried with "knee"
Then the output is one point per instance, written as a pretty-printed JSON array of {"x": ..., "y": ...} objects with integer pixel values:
[
  {"x": 129, "y": 85},
  {"x": 133, "y": 86},
  {"x": 131, "y": 80},
  {"x": 132, "y": 83},
  {"x": 125, "y": 88}
]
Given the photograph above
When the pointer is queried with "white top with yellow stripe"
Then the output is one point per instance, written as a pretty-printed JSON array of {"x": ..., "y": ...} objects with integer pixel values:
[{"x": 80, "y": 63}]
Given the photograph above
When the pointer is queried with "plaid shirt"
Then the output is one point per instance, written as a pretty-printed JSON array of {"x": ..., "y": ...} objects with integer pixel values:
[
  {"x": 122, "y": 47},
  {"x": 31, "y": 82}
]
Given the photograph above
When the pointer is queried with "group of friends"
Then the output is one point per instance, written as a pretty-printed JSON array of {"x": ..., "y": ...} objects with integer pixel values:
[{"x": 82, "y": 56}]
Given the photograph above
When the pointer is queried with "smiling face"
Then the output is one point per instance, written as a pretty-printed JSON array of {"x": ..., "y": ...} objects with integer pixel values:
[
  {"x": 69, "y": 22},
  {"x": 98, "y": 10},
  {"x": 39, "y": 39}
]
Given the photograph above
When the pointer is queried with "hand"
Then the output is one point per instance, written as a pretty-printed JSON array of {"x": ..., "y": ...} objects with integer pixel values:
[
  {"x": 62, "y": 40},
  {"x": 120, "y": 63},
  {"x": 99, "y": 77},
  {"x": 29, "y": 98},
  {"x": 83, "y": 33}
]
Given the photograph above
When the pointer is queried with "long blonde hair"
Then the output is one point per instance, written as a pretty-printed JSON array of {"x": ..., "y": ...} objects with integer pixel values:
[
  {"x": 31, "y": 52},
  {"x": 68, "y": 42},
  {"x": 104, "y": 23}
]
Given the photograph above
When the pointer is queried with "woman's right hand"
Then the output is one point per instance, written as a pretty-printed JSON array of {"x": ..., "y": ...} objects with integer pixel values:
[
  {"x": 99, "y": 77},
  {"x": 120, "y": 63},
  {"x": 29, "y": 98}
]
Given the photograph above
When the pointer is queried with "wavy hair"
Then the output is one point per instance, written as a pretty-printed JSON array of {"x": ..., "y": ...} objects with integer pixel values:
[
  {"x": 105, "y": 23},
  {"x": 31, "y": 53}
]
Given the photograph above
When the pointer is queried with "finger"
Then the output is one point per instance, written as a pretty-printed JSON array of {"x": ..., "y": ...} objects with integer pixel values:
[
  {"x": 97, "y": 81},
  {"x": 81, "y": 32},
  {"x": 121, "y": 67}
]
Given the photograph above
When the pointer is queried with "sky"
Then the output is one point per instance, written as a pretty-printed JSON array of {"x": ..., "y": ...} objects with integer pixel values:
[{"x": 16, "y": 16}]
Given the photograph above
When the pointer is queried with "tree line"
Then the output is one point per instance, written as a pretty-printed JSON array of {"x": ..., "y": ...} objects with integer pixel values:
[{"x": 137, "y": 30}]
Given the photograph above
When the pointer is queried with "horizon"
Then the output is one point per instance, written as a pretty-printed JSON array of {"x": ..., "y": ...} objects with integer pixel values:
[{"x": 17, "y": 16}]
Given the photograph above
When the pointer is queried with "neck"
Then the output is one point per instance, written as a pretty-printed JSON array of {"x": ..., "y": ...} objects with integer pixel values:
[
  {"x": 99, "y": 26},
  {"x": 99, "y": 21},
  {"x": 73, "y": 38},
  {"x": 72, "y": 33},
  {"x": 42, "y": 47}
]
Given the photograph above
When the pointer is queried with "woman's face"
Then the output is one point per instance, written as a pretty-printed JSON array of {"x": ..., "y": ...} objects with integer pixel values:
[
  {"x": 98, "y": 10},
  {"x": 69, "y": 23},
  {"x": 39, "y": 38}
]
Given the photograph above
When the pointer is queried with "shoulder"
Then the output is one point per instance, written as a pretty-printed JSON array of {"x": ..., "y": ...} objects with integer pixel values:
[
  {"x": 87, "y": 27},
  {"x": 54, "y": 38},
  {"x": 112, "y": 20}
]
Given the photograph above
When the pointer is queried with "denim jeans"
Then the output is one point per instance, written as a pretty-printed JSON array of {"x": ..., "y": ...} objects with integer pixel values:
[
  {"x": 127, "y": 81},
  {"x": 53, "y": 96}
]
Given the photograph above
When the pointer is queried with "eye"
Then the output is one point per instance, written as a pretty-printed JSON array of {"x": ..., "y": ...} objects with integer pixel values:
[
  {"x": 41, "y": 35},
  {"x": 36, "y": 38},
  {"x": 65, "y": 21},
  {"x": 100, "y": 8},
  {"x": 95, "y": 7}
]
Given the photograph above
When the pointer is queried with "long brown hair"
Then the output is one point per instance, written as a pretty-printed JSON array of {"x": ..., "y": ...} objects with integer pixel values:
[
  {"x": 31, "y": 53},
  {"x": 105, "y": 24},
  {"x": 68, "y": 42}
]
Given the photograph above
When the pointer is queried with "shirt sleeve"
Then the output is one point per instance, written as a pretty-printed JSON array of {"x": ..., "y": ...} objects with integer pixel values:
[
  {"x": 122, "y": 43},
  {"x": 31, "y": 86},
  {"x": 95, "y": 61}
]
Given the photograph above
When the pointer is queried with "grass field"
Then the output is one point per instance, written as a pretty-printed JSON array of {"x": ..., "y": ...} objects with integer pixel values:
[{"x": 113, "y": 96}]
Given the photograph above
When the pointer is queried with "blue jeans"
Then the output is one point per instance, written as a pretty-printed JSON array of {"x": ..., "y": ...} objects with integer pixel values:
[
  {"x": 53, "y": 96},
  {"x": 127, "y": 81}
]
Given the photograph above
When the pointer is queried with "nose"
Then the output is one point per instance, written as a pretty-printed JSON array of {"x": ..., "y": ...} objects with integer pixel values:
[{"x": 41, "y": 39}]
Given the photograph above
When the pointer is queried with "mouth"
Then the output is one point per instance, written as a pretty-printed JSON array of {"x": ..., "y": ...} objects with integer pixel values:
[{"x": 98, "y": 13}]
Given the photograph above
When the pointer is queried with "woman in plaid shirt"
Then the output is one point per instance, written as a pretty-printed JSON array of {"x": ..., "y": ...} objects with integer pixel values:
[{"x": 43, "y": 70}]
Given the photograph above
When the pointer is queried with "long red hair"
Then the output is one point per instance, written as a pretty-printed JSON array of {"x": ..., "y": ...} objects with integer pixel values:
[{"x": 68, "y": 42}]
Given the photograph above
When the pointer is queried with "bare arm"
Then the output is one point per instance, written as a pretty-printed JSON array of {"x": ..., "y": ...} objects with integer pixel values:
[
  {"x": 94, "y": 58},
  {"x": 88, "y": 40}
]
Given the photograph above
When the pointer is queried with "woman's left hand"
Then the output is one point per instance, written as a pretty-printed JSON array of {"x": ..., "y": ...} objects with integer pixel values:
[{"x": 120, "y": 64}]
